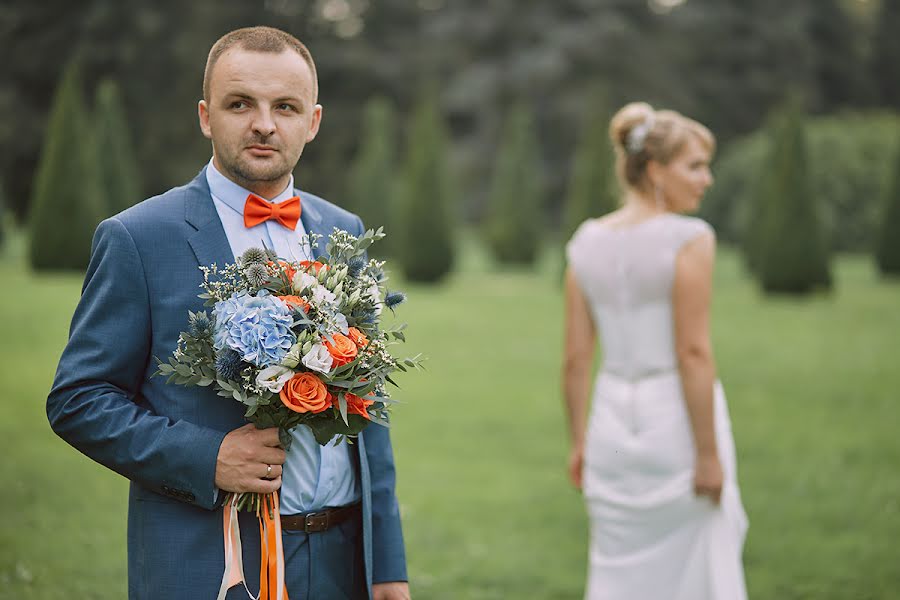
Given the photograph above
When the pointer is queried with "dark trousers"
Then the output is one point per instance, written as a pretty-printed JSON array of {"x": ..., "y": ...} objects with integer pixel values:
[{"x": 326, "y": 565}]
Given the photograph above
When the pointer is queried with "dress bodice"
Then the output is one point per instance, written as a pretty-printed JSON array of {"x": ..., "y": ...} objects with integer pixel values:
[{"x": 626, "y": 274}]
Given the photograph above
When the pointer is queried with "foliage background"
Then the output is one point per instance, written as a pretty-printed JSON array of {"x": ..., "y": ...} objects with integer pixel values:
[
  {"x": 488, "y": 514},
  {"x": 725, "y": 62}
]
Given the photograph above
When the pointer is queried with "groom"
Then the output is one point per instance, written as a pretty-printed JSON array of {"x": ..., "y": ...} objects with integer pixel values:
[{"x": 184, "y": 448}]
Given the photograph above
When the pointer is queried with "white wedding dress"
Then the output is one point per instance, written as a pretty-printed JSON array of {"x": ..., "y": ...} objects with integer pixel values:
[{"x": 651, "y": 537}]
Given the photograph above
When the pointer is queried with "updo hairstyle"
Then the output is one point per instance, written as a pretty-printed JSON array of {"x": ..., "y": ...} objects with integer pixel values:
[{"x": 640, "y": 134}]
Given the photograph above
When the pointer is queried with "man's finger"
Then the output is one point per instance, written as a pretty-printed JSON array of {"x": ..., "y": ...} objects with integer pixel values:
[
  {"x": 271, "y": 456},
  {"x": 268, "y": 437}
]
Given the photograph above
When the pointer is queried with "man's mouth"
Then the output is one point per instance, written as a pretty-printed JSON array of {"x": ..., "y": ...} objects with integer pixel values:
[{"x": 261, "y": 150}]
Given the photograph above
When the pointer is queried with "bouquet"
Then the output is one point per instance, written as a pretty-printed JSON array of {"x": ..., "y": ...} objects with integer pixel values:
[{"x": 297, "y": 344}]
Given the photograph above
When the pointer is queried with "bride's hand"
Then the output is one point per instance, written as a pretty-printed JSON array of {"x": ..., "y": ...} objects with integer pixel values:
[
  {"x": 708, "y": 477},
  {"x": 576, "y": 462}
]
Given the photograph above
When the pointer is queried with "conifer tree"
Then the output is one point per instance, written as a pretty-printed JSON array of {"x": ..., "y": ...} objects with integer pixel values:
[
  {"x": 426, "y": 209},
  {"x": 118, "y": 168},
  {"x": 792, "y": 252},
  {"x": 592, "y": 190},
  {"x": 515, "y": 223},
  {"x": 373, "y": 183},
  {"x": 887, "y": 252},
  {"x": 886, "y": 53},
  {"x": 67, "y": 202},
  {"x": 2, "y": 214}
]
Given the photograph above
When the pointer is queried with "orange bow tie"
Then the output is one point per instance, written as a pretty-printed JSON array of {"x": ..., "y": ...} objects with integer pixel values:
[{"x": 257, "y": 210}]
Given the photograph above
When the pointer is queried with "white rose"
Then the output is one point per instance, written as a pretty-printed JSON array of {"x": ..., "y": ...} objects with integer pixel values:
[
  {"x": 273, "y": 378},
  {"x": 302, "y": 280},
  {"x": 321, "y": 295},
  {"x": 318, "y": 359}
]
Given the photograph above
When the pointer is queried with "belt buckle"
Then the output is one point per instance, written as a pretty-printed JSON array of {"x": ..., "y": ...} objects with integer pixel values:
[{"x": 315, "y": 522}]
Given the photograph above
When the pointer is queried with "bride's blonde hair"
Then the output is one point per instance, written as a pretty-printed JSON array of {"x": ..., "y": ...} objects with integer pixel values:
[{"x": 640, "y": 134}]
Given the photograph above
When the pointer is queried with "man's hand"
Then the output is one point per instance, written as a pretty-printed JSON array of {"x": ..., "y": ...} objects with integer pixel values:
[
  {"x": 392, "y": 590},
  {"x": 244, "y": 458}
]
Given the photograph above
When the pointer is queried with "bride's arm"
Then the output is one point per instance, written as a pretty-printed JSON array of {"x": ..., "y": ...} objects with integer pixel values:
[
  {"x": 580, "y": 337},
  {"x": 691, "y": 299}
]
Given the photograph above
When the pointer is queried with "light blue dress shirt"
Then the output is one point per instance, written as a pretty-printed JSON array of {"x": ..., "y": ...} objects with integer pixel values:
[{"x": 314, "y": 476}]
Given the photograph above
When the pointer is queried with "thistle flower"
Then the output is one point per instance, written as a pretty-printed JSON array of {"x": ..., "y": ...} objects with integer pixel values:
[
  {"x": 392, "y": 299},
  {"x": 200, "y": 324},
  {"x": 355, "y": 266},
  {"x": 229, "y": 364},
  {"x": 256, "y": 275},
  {"x": 254, "y": 256}
]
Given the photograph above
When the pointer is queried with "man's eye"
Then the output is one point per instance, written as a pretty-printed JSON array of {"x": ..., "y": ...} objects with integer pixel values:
[
  {"x": 288, "y": 107},
  {"x": 238, "y": 104}
]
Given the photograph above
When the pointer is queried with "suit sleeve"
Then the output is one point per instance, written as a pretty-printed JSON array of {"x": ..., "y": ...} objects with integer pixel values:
[
  {"x": 94, "y": 403},
  {"x": 388, "y": 552}
]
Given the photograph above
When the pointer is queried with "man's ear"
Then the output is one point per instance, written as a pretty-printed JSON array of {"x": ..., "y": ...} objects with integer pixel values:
[
  {"x": 314, "y": 124},
  {"x": 203, "y": 115}
]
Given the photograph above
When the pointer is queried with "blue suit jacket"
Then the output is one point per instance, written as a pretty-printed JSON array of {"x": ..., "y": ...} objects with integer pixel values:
[{"x": 142, "y": 279}]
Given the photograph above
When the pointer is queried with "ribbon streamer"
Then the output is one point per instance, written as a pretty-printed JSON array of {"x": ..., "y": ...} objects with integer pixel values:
[{"x": 271, "y": 570}]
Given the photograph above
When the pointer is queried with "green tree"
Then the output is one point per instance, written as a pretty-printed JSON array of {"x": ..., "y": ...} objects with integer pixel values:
[
  {"x": 592, "y": 189},
  {"x": 850, "y": 158},
  {"x": 514, "y": 223},
  {"x": 68, "y": 199},
  {"x": 839, "y": 68},
  {"x": 426, "y": 215},
  {"x": 886, "y": 53},
  {"x": 373, "y": 183},
  {"x": 887, "y": 253},
  {"x": 3, "y": 219},
  {"x": 118, "y": 168},
  {"x": 791, "y": 253}
]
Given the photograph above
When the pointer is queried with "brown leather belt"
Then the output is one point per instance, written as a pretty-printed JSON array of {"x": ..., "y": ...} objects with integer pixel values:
[{"x": 320, "y": 521}]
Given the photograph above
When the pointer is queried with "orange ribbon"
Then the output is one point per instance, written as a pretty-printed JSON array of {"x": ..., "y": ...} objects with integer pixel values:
[
  {"x": 271, "y": 571},
  {"x": 257, "y": 210}
]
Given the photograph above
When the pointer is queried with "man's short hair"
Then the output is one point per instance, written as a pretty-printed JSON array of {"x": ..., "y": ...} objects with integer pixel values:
[{"x": 258, "y": 39}]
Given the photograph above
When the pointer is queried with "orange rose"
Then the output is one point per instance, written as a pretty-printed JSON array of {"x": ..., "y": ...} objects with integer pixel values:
[
  {"x": 358, "y": 337},
  {"x": 314, "y": 266},
  {"x": 304, "y": 392},
  {"x": 357, "y": 405},
  {"x": 342, "y": 350},
  {"x": 286, "y": 268},
  {"x": 295, "y": 301}
]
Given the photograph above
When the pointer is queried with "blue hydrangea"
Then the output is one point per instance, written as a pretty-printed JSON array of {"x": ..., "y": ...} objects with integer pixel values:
[{"x": 256, "y": 327}]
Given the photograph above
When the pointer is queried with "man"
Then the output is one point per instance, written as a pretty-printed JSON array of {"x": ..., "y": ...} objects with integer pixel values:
[{"x": 184, "y": 448}]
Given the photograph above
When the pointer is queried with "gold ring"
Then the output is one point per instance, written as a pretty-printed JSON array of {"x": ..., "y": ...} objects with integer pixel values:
[{"x": 268, "y": 471}]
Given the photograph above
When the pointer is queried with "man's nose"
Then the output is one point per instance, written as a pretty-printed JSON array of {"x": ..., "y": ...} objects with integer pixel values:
[{"x": 263, "y": 123}]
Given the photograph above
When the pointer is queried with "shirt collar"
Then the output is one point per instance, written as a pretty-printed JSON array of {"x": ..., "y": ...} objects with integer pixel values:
[{"x": 235, "y": 196}]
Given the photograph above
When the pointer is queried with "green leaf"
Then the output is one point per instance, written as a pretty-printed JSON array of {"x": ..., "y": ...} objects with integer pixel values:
[
  {"x": 285, "y": 438},
  {"x": 379, "y": 421},
  {"x": 342, "y": 404}
]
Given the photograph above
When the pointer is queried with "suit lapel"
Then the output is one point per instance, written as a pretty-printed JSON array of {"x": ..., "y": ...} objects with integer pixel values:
[
  {"x": 209, "y": 242},
  {"x": 313, "y": 222}
]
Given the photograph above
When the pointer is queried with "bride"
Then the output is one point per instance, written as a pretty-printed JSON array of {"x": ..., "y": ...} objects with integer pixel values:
[{"x": 652, "y": 450}]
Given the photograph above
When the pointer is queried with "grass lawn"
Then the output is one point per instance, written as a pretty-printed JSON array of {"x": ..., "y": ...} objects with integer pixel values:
[{"x": 480, "y": 444}]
